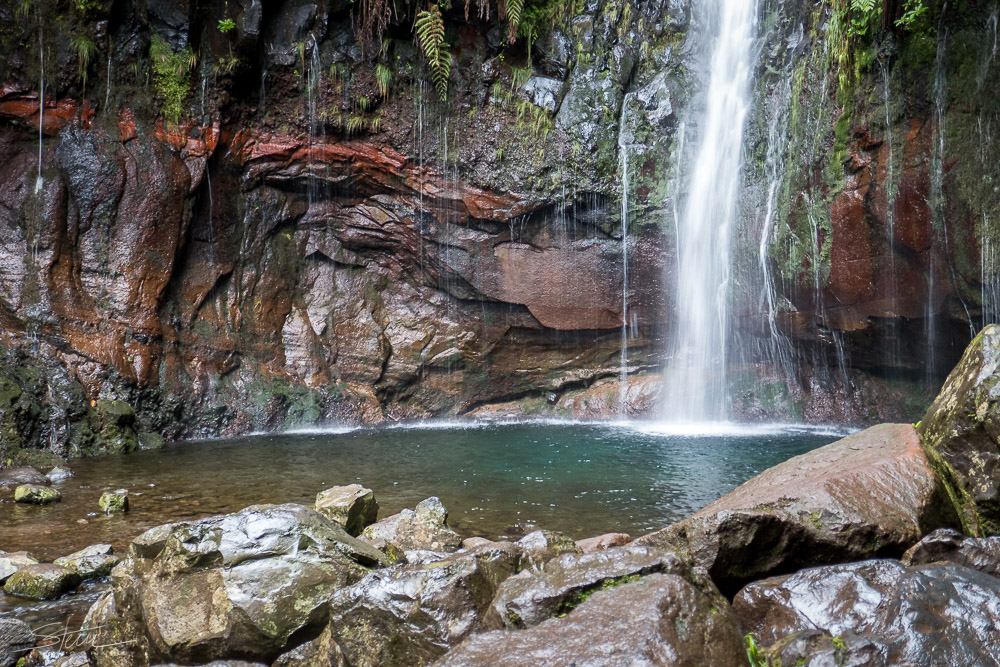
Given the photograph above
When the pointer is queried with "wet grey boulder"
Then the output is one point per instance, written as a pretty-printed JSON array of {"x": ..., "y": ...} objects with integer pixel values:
[
  {"x": 541, "y": 546},
  {"x": 33, "y": 494},
  {"x": 12, "y": 477},
  {"x": 945, "y": 544},
  {"x": 13, "y": 561},
  {"x": 425, "y": 527},
  {"x": 815, "y": 648},
  {"x": 660, "y": 619},
  {"x": 412, "y": 614},
  {"x": 937, "y": 614},
  {"x": 16, "y": 640},
  {"x": 241, "y": 584},
  {"x": 58, "y": 474},
  {"x": 532, "y": 596},
  {"x": 961, "y": 434},
  {"x": 41, "y": 582},
  {"x": 871, "y": 494},
  {"x": 91, "y": 562},
  {"x": 352, "y": 507}
]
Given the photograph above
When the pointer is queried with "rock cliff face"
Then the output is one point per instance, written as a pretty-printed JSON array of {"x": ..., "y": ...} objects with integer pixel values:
[{"x": 270, "y": 224}]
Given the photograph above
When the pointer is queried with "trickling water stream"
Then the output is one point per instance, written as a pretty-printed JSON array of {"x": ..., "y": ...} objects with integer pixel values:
[{"x": 696, "y": 388}]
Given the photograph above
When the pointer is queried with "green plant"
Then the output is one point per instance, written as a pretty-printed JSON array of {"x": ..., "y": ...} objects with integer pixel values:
[
  {"x": 227, "y": 65},
  {"x": 753, "y": 651},
  {"x": 365, "y": 104},
  {"x": 171, "y": 76},
  {"x": 226, "y": 24},
  {"x": 383, "y": 80},
  {"x": 375, "y": 124},
  {"x": 429, "y": 29},
  {"x": 85, "y": 49},
  {"x": 355, "y": 123}
]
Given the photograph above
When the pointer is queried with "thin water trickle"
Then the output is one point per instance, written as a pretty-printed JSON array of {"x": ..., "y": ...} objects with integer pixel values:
[
  {"x": 623, "y": 146},
  {"x": 893, "y": 352},
  {"x": 695, "y": 380},
  {"x": 41, "y": 106}
]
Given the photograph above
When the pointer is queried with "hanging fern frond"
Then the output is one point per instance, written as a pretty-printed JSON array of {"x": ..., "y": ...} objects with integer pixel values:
[
  {"x": 429, "y": 29},
  {"x": 383, "y": 80},
  {"x": 515, "y": 9}
]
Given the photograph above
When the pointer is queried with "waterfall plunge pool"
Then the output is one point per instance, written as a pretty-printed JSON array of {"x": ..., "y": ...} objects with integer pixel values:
[{"x": 495, "y": 479}]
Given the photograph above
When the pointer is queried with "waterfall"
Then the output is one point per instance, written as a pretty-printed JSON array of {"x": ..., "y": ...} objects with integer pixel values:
[
  {"x": 696, "y": 388},
  {"x": 41, "y": 105}
]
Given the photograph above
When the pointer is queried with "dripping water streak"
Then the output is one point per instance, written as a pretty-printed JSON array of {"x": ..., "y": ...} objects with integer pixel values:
[
  {"x": 623, "y": 361},
  {"x": 41, "y": 105},
  {"x": 695, "y": 384}
]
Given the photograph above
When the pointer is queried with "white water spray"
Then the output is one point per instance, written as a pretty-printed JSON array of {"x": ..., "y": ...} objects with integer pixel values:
[{"x": 695, "y": 382}]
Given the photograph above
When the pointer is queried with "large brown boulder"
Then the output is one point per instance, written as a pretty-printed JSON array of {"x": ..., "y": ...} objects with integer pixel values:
[
  {"x": 660, "y": 619},
  {"x": 870, "y": 494},
  {"x": 961, "y": 434},
  {"x": 945, "y": 544},
  {"x": 240, "y": 585},
  {"x": 876, "y": 612}
]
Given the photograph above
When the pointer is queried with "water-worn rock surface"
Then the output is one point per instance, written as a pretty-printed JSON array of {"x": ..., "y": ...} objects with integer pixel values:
[
  {"x": 41, "y": 582},
  {"x": 16, "y": 639},
  {"x": 424, "y": 527},
  {"x": 877, "y": 612},
  {"x": 978, "y": 553},
  {"x": 961, "y": 433},
  {"x": 242, "y": 584},
  {"x": 660, "y": 619},
  {"x": 870, "y": 494},
  {"x": 352, "y": 507},
  {"x": 90, "y": 562}
]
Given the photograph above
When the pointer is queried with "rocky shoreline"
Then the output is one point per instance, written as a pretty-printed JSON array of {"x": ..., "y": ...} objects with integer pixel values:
[{"x": 850, "y": 554}]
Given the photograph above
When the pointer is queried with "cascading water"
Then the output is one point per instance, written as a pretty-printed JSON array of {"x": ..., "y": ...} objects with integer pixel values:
[
  {"x": 623, "y": 361},
  {"x": 696, "y": 388}
]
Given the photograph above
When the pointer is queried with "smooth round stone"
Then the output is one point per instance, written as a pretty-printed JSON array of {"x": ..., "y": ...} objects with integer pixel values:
[{"x": 41, "y": 582}]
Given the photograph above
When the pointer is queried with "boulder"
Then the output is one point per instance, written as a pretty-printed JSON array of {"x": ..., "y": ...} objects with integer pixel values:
[
  {"x": 58, "y": 474},
  {"x": 36, "y": 495},
  {"x": 425, "y": 527},
  {"x": 541, "y": 546},
  {"x": 112, "y": 502},
  {"x": 412, "y": 614},
  {"x": 870, "y": 494},
  {"x": 938, "y": 614},
  {"x": 532, "y": 596},
  {"x": 352, "y": 507},
  {"x": 240, "y": 584},
  {"x": 13, "y": 561},
  {"x": 945, "y": 544},
  {"x": 660, "y": 619},
  {"x": 91, "y": 562},
  {"x": 16, "y": 639},
  {"x": 605, "y": 541},
  {"x": 12, "y": 477},
  {"x": 961, "y": 434},
  {"x": 41, "y": 582}
]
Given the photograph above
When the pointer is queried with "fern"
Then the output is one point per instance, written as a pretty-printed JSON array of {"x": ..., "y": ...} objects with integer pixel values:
[
  {"x": 515, "y": 8},
  {"x": 383, "y": 80},
  {"x": 429, "y": 28}
]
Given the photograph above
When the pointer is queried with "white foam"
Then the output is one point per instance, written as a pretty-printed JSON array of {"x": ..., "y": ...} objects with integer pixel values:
[{"x": 735, "y": 429}]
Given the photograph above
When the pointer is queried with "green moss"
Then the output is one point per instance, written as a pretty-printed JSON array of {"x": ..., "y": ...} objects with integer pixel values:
[
  {"x": 171, "y": 76},
  {"x": 577, "y": 598}
]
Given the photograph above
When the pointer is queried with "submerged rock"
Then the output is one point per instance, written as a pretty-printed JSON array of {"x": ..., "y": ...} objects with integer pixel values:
[
  {"x": 426, "y": 527},
  {"x": 14, "y": 561},
  {"x": 532, "y": 596},
  {"x": 41, "y": 582},
  {"x": 242, "y": 584},
  {"x": 939, "y": 614},
  {"x": 870, "y": 494},
  {"x": 12, "y": 477},
  {"x": 410, "y": 615},
  {"x": 111, "y": 502},
  {"x": 352, "y": 507},
  {"x": 94, "y": 561},
  {"x": 16, "y": 639},
  {"x": 961, "y": 434},
  {"x": 979, "y": 553},
  {"x": 660, "y": 619},
  {"x": 36, "y": 495}
]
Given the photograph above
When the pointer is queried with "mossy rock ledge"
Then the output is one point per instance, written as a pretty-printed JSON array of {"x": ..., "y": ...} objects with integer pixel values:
[{"x": 961, "y": 434}]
